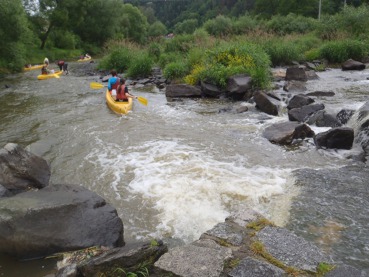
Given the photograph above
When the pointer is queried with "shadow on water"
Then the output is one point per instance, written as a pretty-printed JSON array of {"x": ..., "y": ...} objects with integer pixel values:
[{"x": 11, "y": 267}]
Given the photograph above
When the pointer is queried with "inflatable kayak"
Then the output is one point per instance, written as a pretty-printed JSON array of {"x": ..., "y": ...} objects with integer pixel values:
[
  {"x": 118, "y": 107},
  {"x": 84, "y": 60},
  {"x": 49, "y": 76},
  {"x": 33, "y": 67}
]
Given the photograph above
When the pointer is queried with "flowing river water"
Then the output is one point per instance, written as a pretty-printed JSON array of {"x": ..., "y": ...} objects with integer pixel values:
[{"x": 171, "y": 169}]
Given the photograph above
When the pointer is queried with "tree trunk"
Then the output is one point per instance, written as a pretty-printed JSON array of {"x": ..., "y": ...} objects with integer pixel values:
[{"x": 44, "y": 38}]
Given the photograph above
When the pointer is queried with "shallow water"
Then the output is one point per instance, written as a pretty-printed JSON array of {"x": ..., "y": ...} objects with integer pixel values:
[{"x": 172, "y": 169}]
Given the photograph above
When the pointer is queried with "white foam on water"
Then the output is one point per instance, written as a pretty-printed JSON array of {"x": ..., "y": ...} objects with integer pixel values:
[{"x": 190, "y": 190}]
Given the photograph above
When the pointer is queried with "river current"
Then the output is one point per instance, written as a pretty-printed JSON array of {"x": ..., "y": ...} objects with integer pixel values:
[{"x": 171, "y": 169}]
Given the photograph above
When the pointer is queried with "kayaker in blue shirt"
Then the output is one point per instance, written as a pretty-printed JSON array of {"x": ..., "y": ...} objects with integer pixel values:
[{"x": 113, "y": 83}]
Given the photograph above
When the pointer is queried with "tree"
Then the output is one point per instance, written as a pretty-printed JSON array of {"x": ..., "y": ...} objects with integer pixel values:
[
  {"x": 14, "y": 35},
  {"x": 188, "y": 26},
  {"x": 133, "y": 24}
]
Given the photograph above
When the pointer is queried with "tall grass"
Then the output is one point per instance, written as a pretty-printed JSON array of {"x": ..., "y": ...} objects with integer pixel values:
[{"x": 340, "y": 51}]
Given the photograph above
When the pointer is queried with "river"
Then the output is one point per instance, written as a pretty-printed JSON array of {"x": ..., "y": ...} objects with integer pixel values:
[{"x": 171, "y": 169}]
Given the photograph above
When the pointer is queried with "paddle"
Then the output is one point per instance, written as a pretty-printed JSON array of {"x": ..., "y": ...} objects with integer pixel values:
[{"x": 140, "y": 99}]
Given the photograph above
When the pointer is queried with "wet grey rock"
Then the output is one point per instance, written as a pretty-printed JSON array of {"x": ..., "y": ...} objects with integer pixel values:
[
  {"x": 211, "y": 90},
  {"x": 320, "y": 93},
  {"x": 337, "y": 138},
  {"x": 296, "y": 74},
  {"x": 129, "y": 258},
  {"x": 323, "y": 119},
  {"x": 250, "y": 267},
  {"x": 3, "y": 191},
  {"x": 298, "y": 101},
  {"x": 352, "y": 65},
  {"x": 345, "y": 271},
  {"x": 239, "y": 87},
  {"x": 226, "y": 232},
  {"x": 311, "y": 75},
  {"x": 21, "y": 170},
  {"x": 330, "y": 204},
  {"x": 302, "y": 114},
  {"x": 344, "y": 115},
  {"x": 182, "y": 90},
  {"x": 290, "y": 249},
  {"x": 198, "y": 259},
  {"x": 266, "y": 103},
  {"x": 284, "y": 133},
  {"x": 294, "y": 86},
  {"x": 57, "y": 218},
  {"x": 68, "y": 271}
]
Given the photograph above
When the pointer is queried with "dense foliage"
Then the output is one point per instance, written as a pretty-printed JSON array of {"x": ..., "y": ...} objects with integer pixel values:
[{"x": 133, "y": 35}]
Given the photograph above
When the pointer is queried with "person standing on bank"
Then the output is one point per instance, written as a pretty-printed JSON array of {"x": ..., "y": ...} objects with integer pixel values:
[
  {"x": 122, "y": 92},
  {"x": 63, "y": 66},
  {"x": 113, "y": 84}
]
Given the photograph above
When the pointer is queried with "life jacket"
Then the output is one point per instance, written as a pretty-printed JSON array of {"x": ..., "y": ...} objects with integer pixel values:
[
  {"x": 44, "y": 70},
  {"x": 116, "y": 84},
  {"x": 121, "y": 94}
]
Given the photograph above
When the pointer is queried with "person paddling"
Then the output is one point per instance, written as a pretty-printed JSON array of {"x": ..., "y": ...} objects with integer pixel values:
[
  {"x": 122, "y": 92},
  {"x": 113, "y": 84}
]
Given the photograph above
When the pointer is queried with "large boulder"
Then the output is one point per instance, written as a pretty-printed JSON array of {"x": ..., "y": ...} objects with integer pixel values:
[
  {"x": 239, "y": 87},
  {"x": 284, "y": 133},
  {"x": 21, "y": 170},
  {"x": 211, "y": 90},
  {"x": 337, "y": 138},
  {"x": 182, "y": 90},
  {"x": 353, "y": 65},
  {"x": 266, "y": 103},
  {"x": 299, "y": 100},
  {"x": 57, "y": 218},
  {"x": 296, "y": 74},
  {"x": 303, "y": 113}
]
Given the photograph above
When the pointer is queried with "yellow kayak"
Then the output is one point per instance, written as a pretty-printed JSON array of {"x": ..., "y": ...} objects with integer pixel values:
[
  {"x": 33, "y": 67},
  {"x": 118, "y": 107},
  {"x": 84, "y": 60},
  {"x": 48, "y": 76}
]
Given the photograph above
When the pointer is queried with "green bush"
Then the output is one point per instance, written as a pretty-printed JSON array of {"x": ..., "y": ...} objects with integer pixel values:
[
  {"x": 291, "y": 24},
  {"x": 195, "y": 56},
  {"x": 187, "y": 26},
  {"x": 175, "y": 70},
  {"x": 180, "y": 43},
  {"x": 157, "y": 29},
  {"x": 219, "y": 26},
  {"x": 282, "y": 52},
  {"x": 230, "y": 59},
  {"x": 154, "y": 51},
  {"x": 64, "y": 39},
  {"x": 120, "y": 59},
  {"x": 167, "y": 58},
  {"x": 328, "y": 27},
  {"x": 340, "y": 51},
  {"x": 312, "y": 54},
  {"x": 245, "y": 24},
  {"x": 141, "y": 66},
  {"x": 354, "y": 20}
]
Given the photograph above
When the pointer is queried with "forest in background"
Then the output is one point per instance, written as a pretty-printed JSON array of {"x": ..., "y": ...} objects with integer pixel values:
[{"x": 212, "y": 40}]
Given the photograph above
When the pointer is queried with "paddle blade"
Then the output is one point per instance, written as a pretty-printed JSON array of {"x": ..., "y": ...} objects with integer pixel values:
[
  {"x": 142, "y": 100},
  {"x": 95, "y": 85},
  {"x": 57, "y": 76}
]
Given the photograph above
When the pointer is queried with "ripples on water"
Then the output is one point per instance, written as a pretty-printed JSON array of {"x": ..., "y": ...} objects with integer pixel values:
[{"x": 172, "y": 169}]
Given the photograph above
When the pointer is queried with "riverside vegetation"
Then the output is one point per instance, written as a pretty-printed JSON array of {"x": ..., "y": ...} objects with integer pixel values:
[{"x": 210, "y": 49}]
